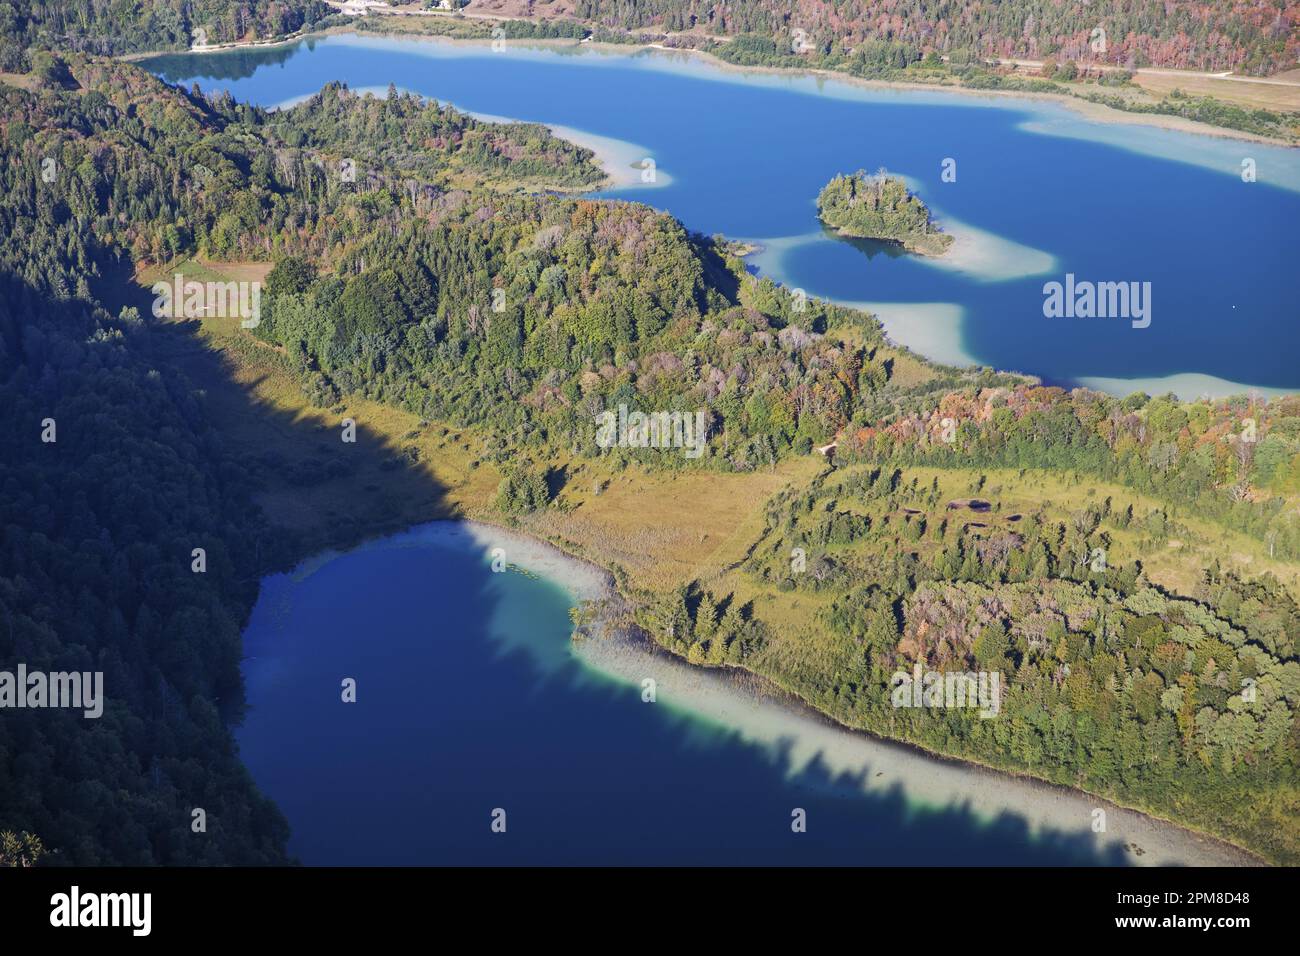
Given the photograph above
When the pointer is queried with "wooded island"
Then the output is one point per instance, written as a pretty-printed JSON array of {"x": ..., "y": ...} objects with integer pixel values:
[{"x": 880, "y": 206}]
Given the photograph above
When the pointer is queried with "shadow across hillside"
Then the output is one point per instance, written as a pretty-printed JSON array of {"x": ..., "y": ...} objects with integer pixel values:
[
  {"x": 133, "y": 550},
  {"x": 326, "y": 478},
  {"x": 467, "y": 698}
]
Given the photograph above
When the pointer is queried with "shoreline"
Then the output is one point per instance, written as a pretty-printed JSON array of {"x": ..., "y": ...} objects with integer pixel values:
[
  {"x": 792, "y": 705},
  {"x": 226, "y": 47},
  {"x": 930, "y": 780},
  {"x": 1086, "y": 109},
  {"x": 619, "y": 159},
  {"x": 988, "y": 256},
  {"x": 741, "y": 701},
  {"x": 909, "y": 244},
  {"x": 535, "y": 555}
]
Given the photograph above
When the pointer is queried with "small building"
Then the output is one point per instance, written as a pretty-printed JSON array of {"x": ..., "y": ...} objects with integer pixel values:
[{"x": 361, "y": 7}]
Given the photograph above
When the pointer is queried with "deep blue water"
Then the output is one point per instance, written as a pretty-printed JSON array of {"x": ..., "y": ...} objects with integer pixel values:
[
  {"x": 747, "y": 156},
  {"x": 469, "y": 699}
]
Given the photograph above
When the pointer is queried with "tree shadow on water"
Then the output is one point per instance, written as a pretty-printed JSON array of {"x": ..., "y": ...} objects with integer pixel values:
[{"x": 454, "y": 728}]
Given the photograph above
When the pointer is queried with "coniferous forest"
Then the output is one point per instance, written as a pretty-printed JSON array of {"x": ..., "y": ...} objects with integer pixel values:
[{"x": 455, "y": 274}]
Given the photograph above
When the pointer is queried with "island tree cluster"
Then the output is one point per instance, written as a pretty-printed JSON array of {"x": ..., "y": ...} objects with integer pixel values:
[{"x": 880, "y": 206}]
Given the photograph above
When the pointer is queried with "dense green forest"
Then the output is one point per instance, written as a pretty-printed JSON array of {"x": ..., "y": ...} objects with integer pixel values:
[
  {"x": 406, "y": 135},
  {"x": 900, "y": 60},
  {"x": 114, "y": 26},
  {"x": 95, "y": 575},
  {"x": 1186, "y": 34},
  {"x": 100, "y": 523},
  {"x": 1183, "y": 704},
  {"x": 882, "y": 58},
  {"x": 1235, "y": 461},
  {"x": 431, "y": 278},
  {"x": 101, "y": 168},
  {"x": 880, "y": 206}
]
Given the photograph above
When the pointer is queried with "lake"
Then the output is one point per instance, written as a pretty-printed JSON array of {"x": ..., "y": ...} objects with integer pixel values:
[
  {"x": 471, "y": 698},
  {"x": 1039, "y": 192}
]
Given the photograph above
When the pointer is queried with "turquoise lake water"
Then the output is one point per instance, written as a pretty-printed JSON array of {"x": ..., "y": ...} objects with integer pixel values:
[
  {"x": 469, "y": 698},
  {"x": 1041, "y": 191}
]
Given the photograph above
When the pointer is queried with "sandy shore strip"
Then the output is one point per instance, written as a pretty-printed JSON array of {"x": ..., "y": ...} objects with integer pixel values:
[
  {"x": 582, "y": 580},
  {"x": 1087, "y": 109},
  {"x": 1188, "y": 386},
  {"x": 716, "y": 701},
  {"x": 800, "y": 736},
  {"x": 1094, "y": 112},
  {"x": 626, "y": 165},
  {"x": 930, "y": 329},
  {"x": 1273, "y": 165},
  {"x": 228, "y": 47},
  {"x": 974, "y": 252},
  {"x": 987, "y": 256}
]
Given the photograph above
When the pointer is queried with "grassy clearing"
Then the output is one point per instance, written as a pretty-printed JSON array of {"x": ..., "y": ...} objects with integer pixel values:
[
  {"x": 662, "y": 530},
  {"x": 799, "y": 645},
  {"x": 659, "y": 529},
  {"x": 24, "y": 81},
  {"x": 398, "y": 472},
  {"x": 1257, "y": 96}
]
